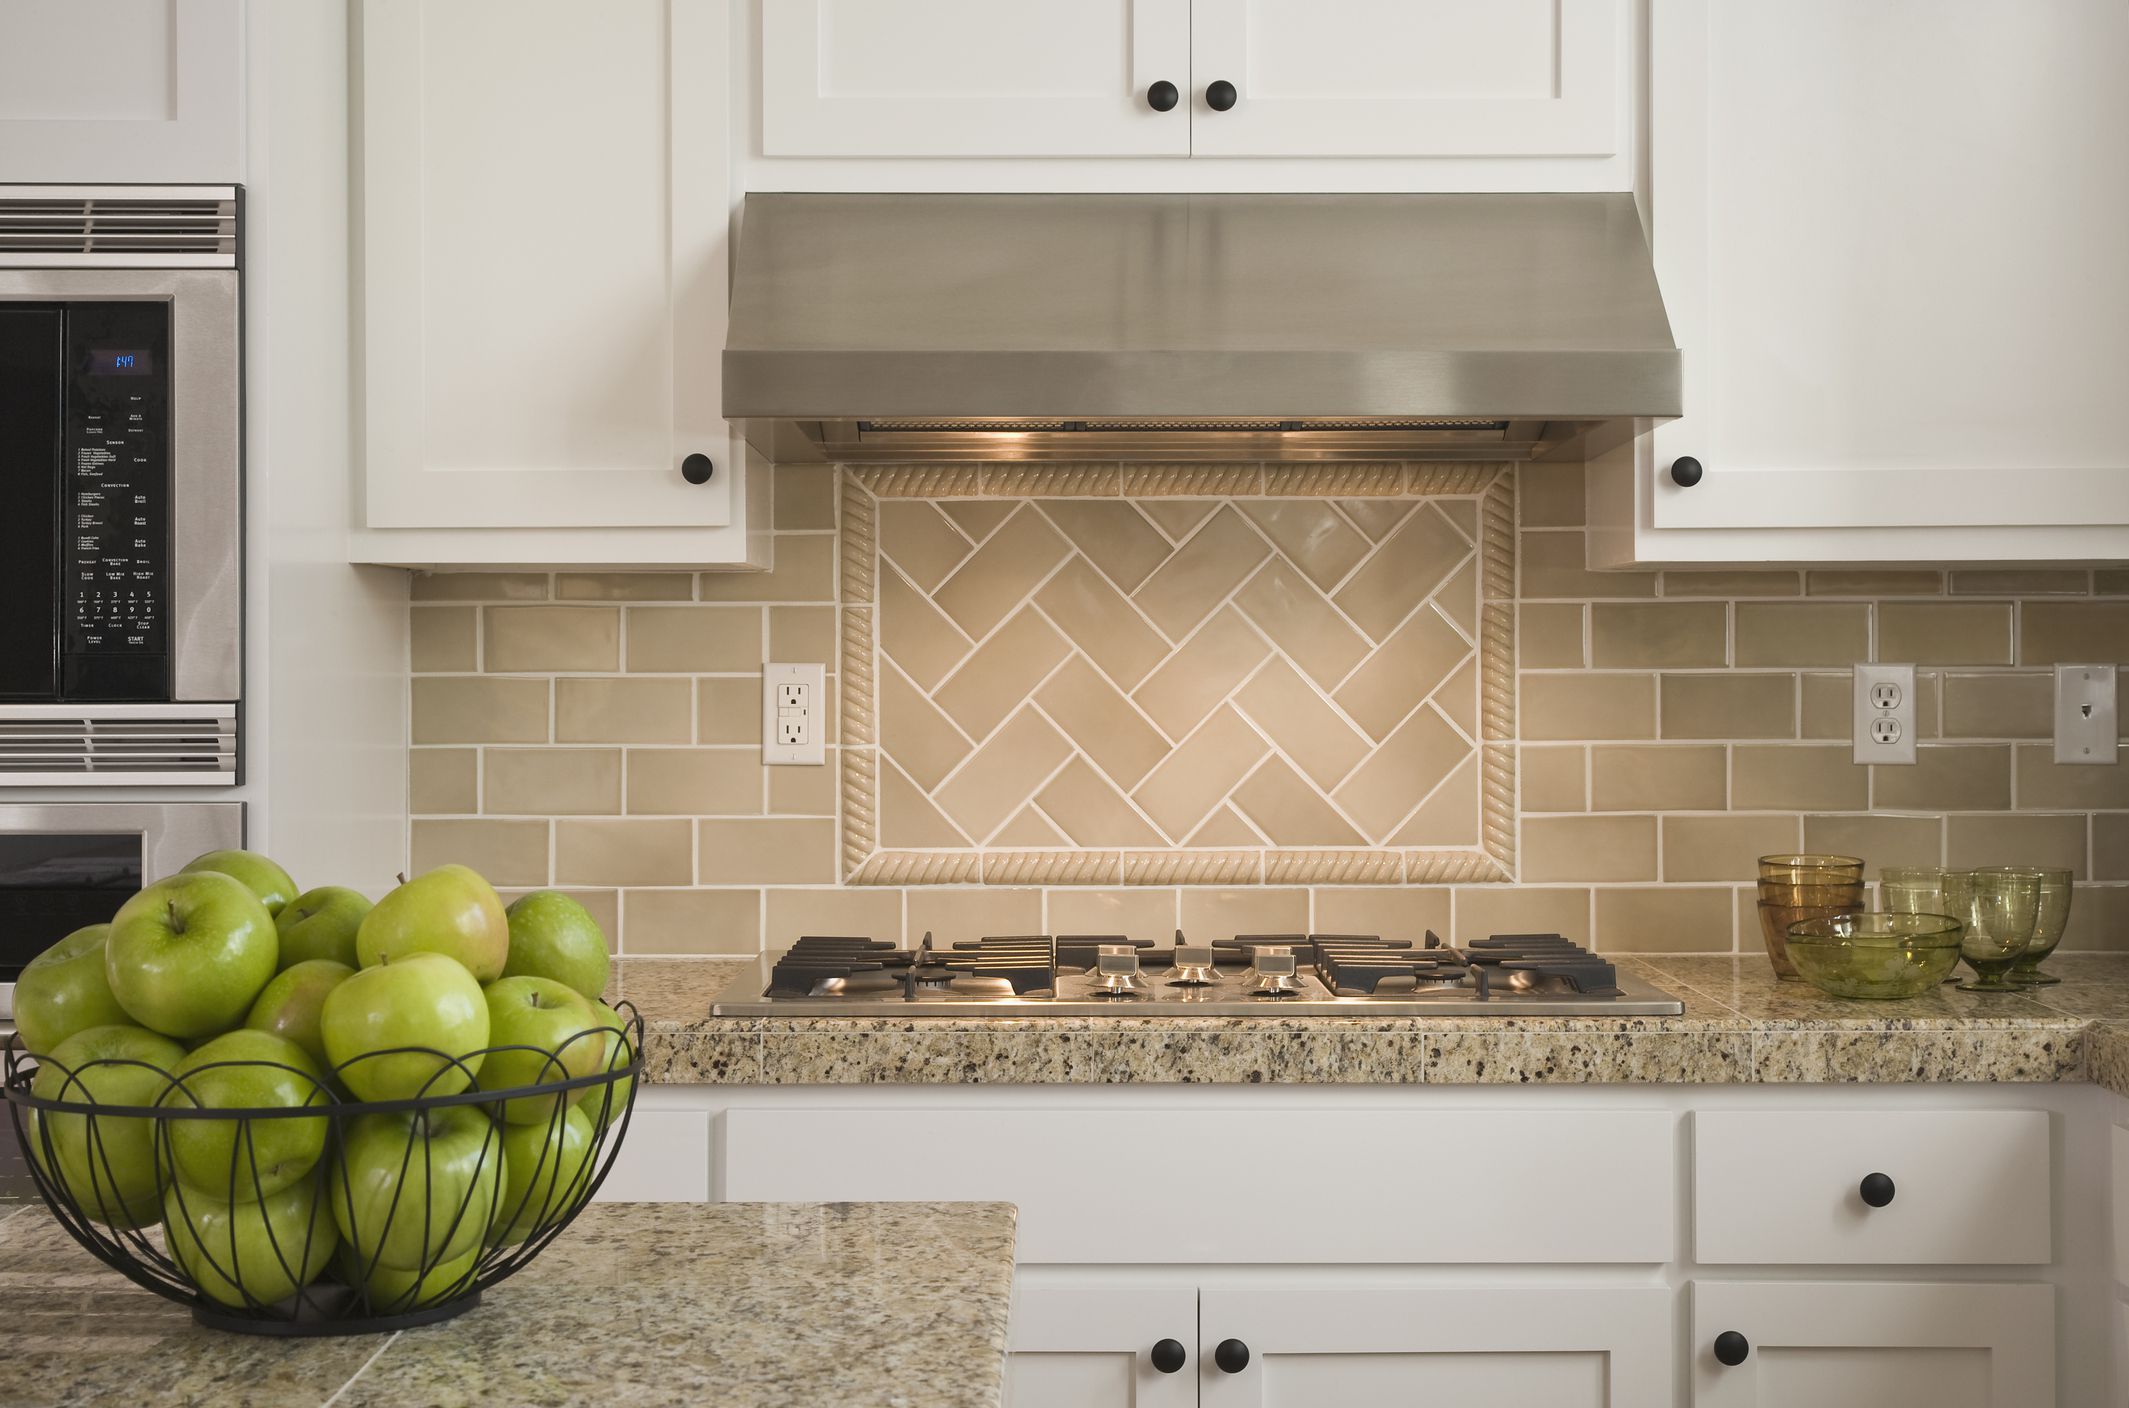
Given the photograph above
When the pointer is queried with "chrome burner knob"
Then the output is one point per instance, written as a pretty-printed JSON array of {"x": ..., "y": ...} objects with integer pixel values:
[
  {"x": 1193, "y": 966},
  {"x": 1272, "y": 971},
  {"x": 1116, "y": 971}
]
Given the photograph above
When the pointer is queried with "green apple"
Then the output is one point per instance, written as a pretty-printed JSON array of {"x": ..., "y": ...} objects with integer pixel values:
[
  {"x": 252, "y": 1253},
  {"x": 259, "y": 874},
  {"x": 423, "y": 1000},
  {"x": 538, "y": 1031},
  {"x": 448, "y": 910},
  {"x": 419, "y": 1187},
  {"x": 291, "y": 1005},
  {"x": 394, "y": 1292},
  {"x": 64, "y": 990},
  {"x": 546, "y": 1172},
  {"x": 188, "y": 955},
  {"x": 108, "y": 1163},
  {"x": 321, "y": 923},
  {"x": 552, "y": 936},
  {"x": 244, "y": 1160},
  {"x": 604, "y": 1103}
]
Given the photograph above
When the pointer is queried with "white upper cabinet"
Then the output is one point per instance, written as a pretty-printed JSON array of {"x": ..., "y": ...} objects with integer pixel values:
[
  {"x": 1416, "y": 78},
  {"x": 974, "y": 77},
  {"x": 1889, "y": 237},
  {"x": 1194, "y": 78},
  {"x": 545, "y": 216},
  {"x": 122, "y": 91}
]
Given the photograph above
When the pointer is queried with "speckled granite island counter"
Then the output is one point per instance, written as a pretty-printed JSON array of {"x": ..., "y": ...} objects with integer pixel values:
[
  {"x": 744, "y": 1305},
  {"x": 1740, "y": 1025}
]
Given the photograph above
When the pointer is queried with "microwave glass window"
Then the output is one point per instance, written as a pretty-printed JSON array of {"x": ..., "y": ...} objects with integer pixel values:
[{"x": 52, "y": 883}]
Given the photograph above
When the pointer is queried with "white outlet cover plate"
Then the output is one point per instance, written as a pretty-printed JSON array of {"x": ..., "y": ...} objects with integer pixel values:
[
  {"x": 1884, "y": 735},
  {"x": 2087, "y": 717},
  {"x": 794, "y": 707}
]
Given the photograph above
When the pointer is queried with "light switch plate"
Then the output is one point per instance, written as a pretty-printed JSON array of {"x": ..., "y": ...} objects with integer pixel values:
[
  {"x": 794, "y": 705},
  {"x": 1884, "y": 713},
  {"x": 2086, "y": 714}
]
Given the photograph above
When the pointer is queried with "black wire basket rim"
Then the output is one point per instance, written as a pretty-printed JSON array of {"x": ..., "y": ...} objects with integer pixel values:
[{"x": 19, "y": 1077}]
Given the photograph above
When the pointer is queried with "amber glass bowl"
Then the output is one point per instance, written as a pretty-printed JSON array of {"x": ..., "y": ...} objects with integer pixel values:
[{"x": 1875, "y": 954}]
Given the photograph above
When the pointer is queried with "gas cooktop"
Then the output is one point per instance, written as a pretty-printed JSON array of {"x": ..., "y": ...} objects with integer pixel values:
[{"x": 1249, "y": 975}]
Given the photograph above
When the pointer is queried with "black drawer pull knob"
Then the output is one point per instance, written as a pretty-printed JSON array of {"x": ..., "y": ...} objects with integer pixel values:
[
  {"x": 1168, "y": 1356},
  {"x": 1731, "y": 1348},
  {"x": 1877, "y": 1189},
  {"x": 697, "y": 469},
  {"x": 1220, "y": 96},
  {"x": 1232, "y": 1356},
  {"x": 1685, "y": 471},
  {"x": 1162, "y": 97}
]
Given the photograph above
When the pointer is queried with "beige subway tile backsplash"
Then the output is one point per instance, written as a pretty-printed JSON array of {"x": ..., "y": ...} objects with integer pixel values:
[
  {"x": 1634, "y": 635},
  {"x": 1802, "y": 633},
  {"x": 468, "y": 709},
  {"x": 549, "y": 639},
  {"x": 1675, "y": 777},
  {"x": 595, "y": 710},
  {"x": 1064, "y": 658}
]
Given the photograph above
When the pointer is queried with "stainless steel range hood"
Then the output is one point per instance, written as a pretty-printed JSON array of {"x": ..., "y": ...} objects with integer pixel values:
[{"x": 924, "y": 327}]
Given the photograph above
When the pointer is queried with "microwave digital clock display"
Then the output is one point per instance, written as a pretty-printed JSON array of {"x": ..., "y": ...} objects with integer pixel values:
[{"x": 120, "y": 361}]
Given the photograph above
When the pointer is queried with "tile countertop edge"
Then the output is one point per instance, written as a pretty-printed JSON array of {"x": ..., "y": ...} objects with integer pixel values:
[{"x": 1740, "y": 1026}]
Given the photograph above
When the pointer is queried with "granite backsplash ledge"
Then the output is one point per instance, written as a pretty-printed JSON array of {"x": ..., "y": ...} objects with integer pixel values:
[{"x": 1236, "y": 698}]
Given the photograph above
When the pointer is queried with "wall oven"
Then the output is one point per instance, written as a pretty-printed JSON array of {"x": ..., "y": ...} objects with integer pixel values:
[
  {"x": 66, "y": 864},
  {"x": 121, "y": 461}
]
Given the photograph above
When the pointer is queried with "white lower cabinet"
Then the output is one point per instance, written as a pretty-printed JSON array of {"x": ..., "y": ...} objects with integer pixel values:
[
  {"x": 1102, "y": 1346},
  {"x": 1872, "y": 1344},
  {"x": 1326, "y": 1346}
]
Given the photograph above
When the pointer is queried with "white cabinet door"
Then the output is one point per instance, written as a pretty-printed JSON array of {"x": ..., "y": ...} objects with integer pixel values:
[
  {"x": 973, "y": 78},
  {"x": 122, "y": 90},
  {"x": 545, "y": 229},
  {"x": 1888, "y": 237},
  {"x": 1409, "y": 78},
  {"x": 1085, "y": 1346},
  {"x": 664, "y": 1158},
  {"x": 1879, "y": 1345},
  {"x": 1315, "y": 1346}
]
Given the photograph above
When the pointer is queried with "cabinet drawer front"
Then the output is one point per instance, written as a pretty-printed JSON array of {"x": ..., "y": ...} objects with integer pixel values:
[
  {"x": 1967, "y": 1188},
  {"x": 1138, "y": 1186}
]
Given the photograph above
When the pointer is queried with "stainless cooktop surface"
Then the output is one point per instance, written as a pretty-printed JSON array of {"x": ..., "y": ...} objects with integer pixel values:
[{"x": 1249, "y": 975}]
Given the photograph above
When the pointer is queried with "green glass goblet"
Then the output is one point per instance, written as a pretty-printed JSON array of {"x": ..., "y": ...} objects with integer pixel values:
[
  {"x": 2055, "y": 888},
  {"x": 1999, "y": 906}
]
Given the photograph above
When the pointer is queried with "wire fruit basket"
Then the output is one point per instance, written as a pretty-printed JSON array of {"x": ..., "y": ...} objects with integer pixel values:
[{"x": 326, "y": 1215}]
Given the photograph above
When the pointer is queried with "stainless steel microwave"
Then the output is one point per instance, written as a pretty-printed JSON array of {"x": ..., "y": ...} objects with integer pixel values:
[{"x": 121, "y": 467}]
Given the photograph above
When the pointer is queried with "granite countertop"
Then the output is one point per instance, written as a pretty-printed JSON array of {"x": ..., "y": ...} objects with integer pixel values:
[
  {"x": 753, "y": 1305},
  {"x": 1740, "y": 1025}
]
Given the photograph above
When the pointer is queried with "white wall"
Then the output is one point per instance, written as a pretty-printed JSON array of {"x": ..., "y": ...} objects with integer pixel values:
[{"x": 328, "y": 641}]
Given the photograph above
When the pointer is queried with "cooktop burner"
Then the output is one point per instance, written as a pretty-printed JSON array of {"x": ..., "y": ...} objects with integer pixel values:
[{"x": 1246, "y": 975}]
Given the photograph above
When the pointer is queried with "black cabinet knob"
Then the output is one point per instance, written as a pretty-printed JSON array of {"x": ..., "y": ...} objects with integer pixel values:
[
  {"x": 1877, "y": 1189},
  {"x": 1231, "y": 1355},
  {"x": 697, "y": 469},
  {"x": 1685, "y": 471},
  {"x": 1731, "y": 1348},
  {"x": 1219, "y": 95},
  {"x": 1162, "y": 97},
  {"x": 1168, "y": 1356}
]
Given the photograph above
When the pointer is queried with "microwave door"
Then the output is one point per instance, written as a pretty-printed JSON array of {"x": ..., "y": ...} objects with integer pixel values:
[{"x": 32, "y": 445}]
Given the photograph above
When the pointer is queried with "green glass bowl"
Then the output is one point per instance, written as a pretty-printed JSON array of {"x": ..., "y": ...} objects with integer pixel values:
[{"x": 1875, "y": 954}]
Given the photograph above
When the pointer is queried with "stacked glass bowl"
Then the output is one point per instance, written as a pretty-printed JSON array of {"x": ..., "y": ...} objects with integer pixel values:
[{"x": 1793, "y": 889}]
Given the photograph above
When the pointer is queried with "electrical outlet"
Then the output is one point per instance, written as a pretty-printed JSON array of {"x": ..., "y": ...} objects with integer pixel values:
[
  {"x": 794, "y": 702},
  {"x": 2086, "y": 721},
  {"x": 1885, "y": 713}
]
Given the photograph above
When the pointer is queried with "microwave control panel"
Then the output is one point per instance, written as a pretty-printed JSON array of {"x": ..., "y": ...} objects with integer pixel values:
[{"x": 115, "y": 510}]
